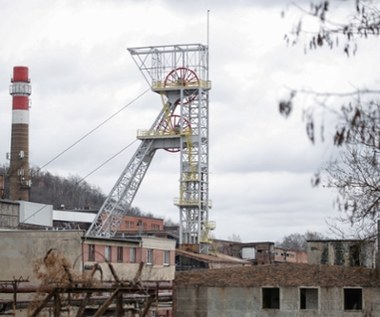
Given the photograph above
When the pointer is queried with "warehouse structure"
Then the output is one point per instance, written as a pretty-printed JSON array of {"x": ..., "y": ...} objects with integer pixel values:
[{"x": 279, "y": 290}]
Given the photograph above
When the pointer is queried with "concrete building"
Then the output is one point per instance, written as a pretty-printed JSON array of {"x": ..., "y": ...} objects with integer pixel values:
[
  {"x": 16, "y": 214},
  {"x": 126, "y": 254},
  {"x": 279, "y": 290},
  {"x": 290, "y": 256},
  {"x": 2, "y": 182},
  {"x": 258, "y": 253},
  {"x": 342, "y": 252},
  {"x": 189, "y": 260},
  {"x": 19, "y": 249},
  {"x": 135, "y": 224},
  {"x": 134, "y": 262},
  {"x": 142, "y": 258}
]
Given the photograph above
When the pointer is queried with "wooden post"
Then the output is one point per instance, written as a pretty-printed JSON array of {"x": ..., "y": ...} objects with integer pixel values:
[{"x": 378, "y": 245}]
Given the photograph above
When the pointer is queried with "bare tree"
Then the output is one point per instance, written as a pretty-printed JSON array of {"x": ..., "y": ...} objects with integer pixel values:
[
  {"x": 363, "y": 22},
  {"x": 297, "y": 241},
  {"x": 58, "y": 191},
  {"x": 234, "y": 237},
  {"x": 354, "y": 173}
]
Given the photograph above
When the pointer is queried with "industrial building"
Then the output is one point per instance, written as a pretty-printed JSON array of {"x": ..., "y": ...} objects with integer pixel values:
[
  {"x": 107, "y": 263},
  {"x": 113, "y": 248},
  {"x": 342, "y": 252},
  {"x": 279, "y": 290},
  {"x": 126, "y": 255}
]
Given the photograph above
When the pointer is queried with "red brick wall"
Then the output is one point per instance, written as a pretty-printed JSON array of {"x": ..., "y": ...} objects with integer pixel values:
[
  {"x": 141, "y": 255},
  {"x": 130, "y": 223},
  {"x": 100, "y": 254}
]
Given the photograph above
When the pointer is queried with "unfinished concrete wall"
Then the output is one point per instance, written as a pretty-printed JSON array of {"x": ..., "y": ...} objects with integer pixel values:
[
  {"x": 342, "y": 252},
  {"x": 9, "y": 214},
  {"x": 291, "y": 256},
  {"x": 20, "y": 248},
  {"x": 247, "y": 301},
  {"x": 191, "y": 301}
]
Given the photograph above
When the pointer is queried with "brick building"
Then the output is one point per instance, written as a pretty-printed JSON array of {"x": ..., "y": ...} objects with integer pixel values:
[
  {"x": 290, "y": 256},
  {"x": 125, "y": 255},
  {"x": 135, "y": 224},
  {"x": 256, "y": 252}
]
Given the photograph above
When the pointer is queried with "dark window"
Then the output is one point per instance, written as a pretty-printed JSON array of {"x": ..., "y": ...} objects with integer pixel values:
[
  {"x": 91, "y": 252},
  {"x": 108, "y": 253},
  {"x": 149, "y": 256},
  {"x": 271, "y": 297},
  {"x": 132, "y": 255},
  {"x": 308, "y": 298},
  {"x": 355, "y": 255},
  {"x": 166, "y": 257},
  {"x": 119, "y": 254},
  {"x": 353, "y": 299}
]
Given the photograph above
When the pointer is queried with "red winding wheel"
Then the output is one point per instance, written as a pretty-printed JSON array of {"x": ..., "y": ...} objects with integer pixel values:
[
  {"x": 175, "y": 124},
  {"x": 183, "y": 77}
]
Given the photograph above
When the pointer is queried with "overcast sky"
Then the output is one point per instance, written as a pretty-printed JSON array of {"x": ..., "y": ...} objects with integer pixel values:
[{"x": 260, "y": 163}]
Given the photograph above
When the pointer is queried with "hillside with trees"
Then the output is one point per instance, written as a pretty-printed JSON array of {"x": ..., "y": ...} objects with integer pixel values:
[
  {"x": 68, "y": 193},
  {"x": 71, "y": 193}
]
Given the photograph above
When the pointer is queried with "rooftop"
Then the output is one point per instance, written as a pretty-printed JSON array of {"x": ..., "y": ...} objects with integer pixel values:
[
  {"x": 212, "y": 258},
  {"x": 282, "y": 274}
]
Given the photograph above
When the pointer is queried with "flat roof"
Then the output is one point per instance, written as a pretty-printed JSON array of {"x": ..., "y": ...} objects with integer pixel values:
[
  {"x": 73, "y": 216},
  {"x": 281, "y": 275}
]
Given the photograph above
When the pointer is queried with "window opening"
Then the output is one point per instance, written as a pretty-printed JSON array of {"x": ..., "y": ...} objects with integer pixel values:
[
  {"x": 119, "y": 254},
  {"x": 132, "y": 255},
  {"x": 166, "y": 257},
  {"x": 149, "y": 256},
  {"x": 271, "y": 297},
  {"x": 91, "y": 252},
  {"x": 353, "y": 299},
  {"x": 108, "y": 253},
  {"x": 308, "y": 298}
]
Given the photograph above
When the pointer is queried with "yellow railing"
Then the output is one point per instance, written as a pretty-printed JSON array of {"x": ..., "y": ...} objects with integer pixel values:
[
  {"x": 190, "y": 177},
  {"x": 156, "y": 134},
  {"x": 189, "y": 202},
  {"x": 159, "y": 85},
  {"x": 210, "y": 225}
]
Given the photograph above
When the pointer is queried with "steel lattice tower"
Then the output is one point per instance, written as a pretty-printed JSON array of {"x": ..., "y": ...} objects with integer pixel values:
[{"x": 179, "y": 73}]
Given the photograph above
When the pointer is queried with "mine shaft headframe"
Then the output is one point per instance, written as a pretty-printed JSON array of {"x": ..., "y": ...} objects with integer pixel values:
[{"x": 156, "y": 62}]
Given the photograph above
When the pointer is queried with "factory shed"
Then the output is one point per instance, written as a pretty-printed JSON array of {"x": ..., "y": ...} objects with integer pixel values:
[
  {"x": 282, "y": 290},
  {"x": 188, "y": 260}
]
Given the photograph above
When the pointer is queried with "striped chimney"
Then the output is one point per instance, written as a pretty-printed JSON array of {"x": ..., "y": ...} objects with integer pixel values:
[{"x": 19, "y": 174}]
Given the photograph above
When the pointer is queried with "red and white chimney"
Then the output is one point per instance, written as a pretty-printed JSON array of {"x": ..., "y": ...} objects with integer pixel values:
[{"x": 19, "y": 174}]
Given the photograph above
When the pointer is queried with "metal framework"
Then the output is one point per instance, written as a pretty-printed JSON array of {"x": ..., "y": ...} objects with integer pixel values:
[{"x": 179, "y": 73}]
